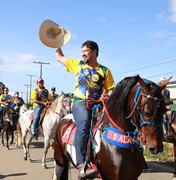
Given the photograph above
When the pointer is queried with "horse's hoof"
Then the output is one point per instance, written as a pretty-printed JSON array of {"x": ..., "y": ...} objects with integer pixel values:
[
  {"x": 147, "y": 170},
  {"x": 44, "y": 166},
  {"x": 25, "y": 158}
]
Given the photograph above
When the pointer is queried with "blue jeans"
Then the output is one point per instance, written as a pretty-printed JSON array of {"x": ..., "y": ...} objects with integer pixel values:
[
  {"x": 2, "y": 110},
  {"x": 82, "y": 118},
  {"x": 37, "y": 112}
]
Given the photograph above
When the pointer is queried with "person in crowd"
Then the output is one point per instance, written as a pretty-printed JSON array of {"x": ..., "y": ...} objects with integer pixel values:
[
  {"x": 166, "y": 97},
  {"x": 41, "y": 99},
  {"x": 17, "y": 102},
  {"x": 67, "y": 104},
  {"x": 53, "y": 94},
  {"x": 93, "y": 81},
  {"x": 6, "y": 100}
]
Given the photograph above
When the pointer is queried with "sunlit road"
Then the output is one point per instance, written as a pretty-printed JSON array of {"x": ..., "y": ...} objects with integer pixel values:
[{"x": 13, "y": 167}]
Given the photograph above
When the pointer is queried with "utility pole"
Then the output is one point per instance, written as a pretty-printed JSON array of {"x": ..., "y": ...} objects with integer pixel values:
[
  {"x": 21, "y": 93},
  {"x": 30, "y": 86},
  {"x": 41, "y": 64},
  {"x": 27, "y": 99}
]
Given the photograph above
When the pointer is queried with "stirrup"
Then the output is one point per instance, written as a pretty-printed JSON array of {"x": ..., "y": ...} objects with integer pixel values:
[{"x": 86, "y": 172}]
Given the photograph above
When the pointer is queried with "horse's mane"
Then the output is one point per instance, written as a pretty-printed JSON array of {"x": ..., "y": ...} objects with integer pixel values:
[
  {"x": 54, "y": 104},
  {"x": 117, "y": 102}
]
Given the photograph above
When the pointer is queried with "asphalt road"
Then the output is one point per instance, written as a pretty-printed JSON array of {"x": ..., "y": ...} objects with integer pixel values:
[{"x": 13, "y": 167}]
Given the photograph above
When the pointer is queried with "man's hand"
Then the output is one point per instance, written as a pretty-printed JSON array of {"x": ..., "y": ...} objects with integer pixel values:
[{"x": 104, "y": 96}]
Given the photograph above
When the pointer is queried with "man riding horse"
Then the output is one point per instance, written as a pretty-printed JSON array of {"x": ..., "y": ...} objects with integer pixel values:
[
  {"x": 92, "y": 79},
  {"x": 41, "y": 99}
]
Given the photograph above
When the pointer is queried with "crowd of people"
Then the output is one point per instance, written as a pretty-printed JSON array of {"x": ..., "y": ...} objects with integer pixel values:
[{"x": 40, "y": 97}]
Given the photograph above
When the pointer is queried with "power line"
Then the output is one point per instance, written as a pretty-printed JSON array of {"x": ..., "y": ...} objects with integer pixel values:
[{"x": 41, "y": 64}]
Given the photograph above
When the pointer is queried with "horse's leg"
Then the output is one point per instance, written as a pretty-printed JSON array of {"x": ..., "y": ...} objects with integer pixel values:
[
  {"x": 45, "y": 151},
  {"x": 7, "y": 139},
  {"x": 18, "y": 135},
  {"x": 12, "y": 136},
  {"x": 24, "y": 134},
  {"x": 2, "y": 136},
  {"x": 57, "y": 172},
  {"x": 28, "y": 145},
  {"x": 174, "y": 147},
  {"x": 64, "y": 174}
]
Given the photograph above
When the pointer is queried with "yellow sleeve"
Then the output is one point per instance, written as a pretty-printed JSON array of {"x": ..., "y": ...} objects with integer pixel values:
[
  {"x": 72, "y": 65},
  {"x": 34, "y": 95},
  {"x": 49, "y": 96},
  {"x": 1, "y": 97},
  {"x": 109, "y": 81}
]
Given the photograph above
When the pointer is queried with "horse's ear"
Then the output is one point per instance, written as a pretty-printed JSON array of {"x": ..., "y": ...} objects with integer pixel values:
[
  {"x": 163, "y": 83},
  {"x": 142, "y": 84}
]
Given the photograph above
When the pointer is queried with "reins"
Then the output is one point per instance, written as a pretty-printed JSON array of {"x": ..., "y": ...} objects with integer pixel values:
[{"x": 106, "y": 111}]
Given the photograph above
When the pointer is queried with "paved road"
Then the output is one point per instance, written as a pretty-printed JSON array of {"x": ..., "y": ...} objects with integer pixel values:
[{"x": 13, "y": 167}]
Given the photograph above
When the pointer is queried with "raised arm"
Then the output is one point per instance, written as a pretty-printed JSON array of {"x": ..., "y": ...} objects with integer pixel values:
[{"x": 60, "y": 56}]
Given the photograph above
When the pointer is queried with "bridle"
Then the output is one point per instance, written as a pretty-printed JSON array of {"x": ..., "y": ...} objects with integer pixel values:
[{"x": 136, "y": 107}]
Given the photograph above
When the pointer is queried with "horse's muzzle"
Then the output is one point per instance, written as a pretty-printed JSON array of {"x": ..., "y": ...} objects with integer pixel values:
[{"x": 154, "y": 150}]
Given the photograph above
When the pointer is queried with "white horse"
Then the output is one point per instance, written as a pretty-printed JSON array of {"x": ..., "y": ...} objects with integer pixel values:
[
  {"x": 18, "y": 143},
  {"x": 50, "y": 120}
]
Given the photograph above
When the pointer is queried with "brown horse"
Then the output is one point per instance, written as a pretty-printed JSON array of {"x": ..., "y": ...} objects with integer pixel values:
[{"x": 131, "y": 117}]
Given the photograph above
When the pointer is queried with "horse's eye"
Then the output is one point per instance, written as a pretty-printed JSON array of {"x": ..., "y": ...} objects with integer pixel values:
[{"x": 148, "y": 114}]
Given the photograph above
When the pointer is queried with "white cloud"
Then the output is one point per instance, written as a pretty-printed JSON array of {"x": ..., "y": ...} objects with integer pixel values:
[
  {"x": 27, "y": 57},
  {"x": 172, "y": 10}
]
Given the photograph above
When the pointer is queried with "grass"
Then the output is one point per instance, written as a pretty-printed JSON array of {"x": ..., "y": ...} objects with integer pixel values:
[{"x": 166, "y": 155}]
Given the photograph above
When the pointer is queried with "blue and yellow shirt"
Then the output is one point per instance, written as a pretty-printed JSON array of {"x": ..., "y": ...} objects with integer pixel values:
[
  {"x": 95, "y": 80},
  {"x": 40, "y": 95}
]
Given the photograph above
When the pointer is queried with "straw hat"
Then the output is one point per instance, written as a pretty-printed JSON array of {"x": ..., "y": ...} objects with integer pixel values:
[{"x": 53, "y": 35}]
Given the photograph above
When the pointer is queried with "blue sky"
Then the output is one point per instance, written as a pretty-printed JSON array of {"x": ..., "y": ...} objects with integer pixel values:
[{"x": 134, "y": 37}]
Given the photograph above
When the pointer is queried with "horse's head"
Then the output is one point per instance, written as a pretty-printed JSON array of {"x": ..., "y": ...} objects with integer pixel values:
[
  {"x": 10, "y": 114},
  {"x": 136, "y": 105},
  {"x": 146, "y": 109},
  {"x": 23, "y": 109}
]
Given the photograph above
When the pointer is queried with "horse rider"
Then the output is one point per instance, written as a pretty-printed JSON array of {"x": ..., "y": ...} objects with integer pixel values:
[
  {"x": 53, "y": 94},
  {"x": 6, "y": 100},
  {"x": 41, "y": 99},
  {"x": 18, "y": 102},
  {"x": 93, "y": 81},
  {"x": 67, "y": 103},
  {"x": 166, "y": 97}
]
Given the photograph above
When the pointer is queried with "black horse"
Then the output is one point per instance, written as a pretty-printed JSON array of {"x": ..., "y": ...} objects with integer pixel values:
[{"x": 8, "y": 125}]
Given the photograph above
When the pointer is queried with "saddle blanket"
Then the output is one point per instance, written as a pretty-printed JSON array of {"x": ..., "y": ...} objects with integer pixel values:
[{"x": 69, "y": 134}]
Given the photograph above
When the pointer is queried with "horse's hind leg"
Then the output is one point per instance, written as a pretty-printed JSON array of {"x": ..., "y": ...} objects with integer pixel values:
[
  {"x": 45, "y": 151},
  {"x": 57, "y": 172},
  {"x": 174, "y": 147},
  {"x": 24, "y": 134},
  {"x": 28, "y": 146}
]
